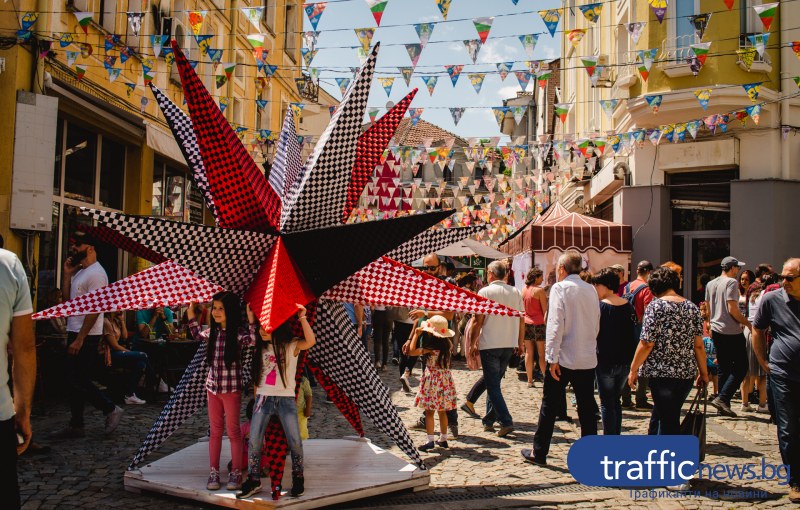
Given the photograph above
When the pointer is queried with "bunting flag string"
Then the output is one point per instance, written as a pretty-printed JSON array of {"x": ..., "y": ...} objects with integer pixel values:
[
  {"x": 646, "y": 59},
  {"x": 430, "y": 83},
  {"x": 454, "y": 72},
  {"x": 700, "y": 23},
  {"x": 551, "y": 17},
  {"x": 444, "y": 7},
  {"x": 473, "y": 46},
  {"x": 766, "y": 13},
  {"x": 414, "y": 51},
  {"x": 314, "y": 12},
  {"x": 424, "y": 32},
  {"x": 503, "y": 69},
  {"x": 654, "y": 102},
  {"x": 659, "y": 8},
  {"x": 476, "y": 79},
  {"x": 591, "y": 11},
  {"x": 387, "y": 84},
  {"x": 576, "y": 36},
  {"x": 703, "y": 96},
  {"x": 635, "y": 30},
  {"x": 529, "y": 43},
  {"x": 752, "y": 90},
  {"x": 377, "y": 7},
  {"x": 406, "y": 73},
  {"x": 483, "y": 26},
  {"x": 365, "y": 36}
]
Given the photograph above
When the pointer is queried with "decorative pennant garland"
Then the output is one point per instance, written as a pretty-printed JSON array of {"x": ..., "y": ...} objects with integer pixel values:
[
  {"x": 314, "y": 12},
  {"x": 529, "y": 43},
  {"x": 424, "y": 32},
  {"x": 473, "y": 47},
  {"x": 646, "y": 58},
  {"x": 766, "y": 13},
  {"x": 551, "y": 17},
  {"x": 377, "y": 7},
  {"x": 591, "y": 11},
  {"x": 483, "y": 26},
  {"x": 659, "y": 8},
  {"x": 454, "y": 72},
  {"x": 476, "y": 79},
  {"x": 703, "y": 96}
]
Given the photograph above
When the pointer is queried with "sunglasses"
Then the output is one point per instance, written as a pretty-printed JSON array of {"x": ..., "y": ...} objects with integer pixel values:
[
  {"x": 787, "y": 277},
  {"x": 431, "y": 268}
]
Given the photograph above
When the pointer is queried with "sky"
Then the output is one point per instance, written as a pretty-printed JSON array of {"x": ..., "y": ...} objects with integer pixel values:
[{"x": 337, "y": 45}]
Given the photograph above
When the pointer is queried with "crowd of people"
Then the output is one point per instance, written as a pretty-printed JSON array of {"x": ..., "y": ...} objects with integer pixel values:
[{"x": 593, "y": 332}]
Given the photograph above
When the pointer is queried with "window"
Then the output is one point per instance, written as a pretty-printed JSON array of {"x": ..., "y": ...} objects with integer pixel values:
[
  {"x": 239, "y": 70},
  {"x": 169, "y": 190},
  {"x": 80, "y": 158},
  {"x": 748, "y": 19},
  {"x": 112, "y": 173},
  {"x": 238, "y": 112},
  {"x": 108, "y": 15},
  {"x": 290, "y": 31},
  {"x": 269, "y": 14}
]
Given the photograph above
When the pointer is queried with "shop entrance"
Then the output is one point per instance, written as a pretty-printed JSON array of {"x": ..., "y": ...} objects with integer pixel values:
[{"x": 700, "y": 254}]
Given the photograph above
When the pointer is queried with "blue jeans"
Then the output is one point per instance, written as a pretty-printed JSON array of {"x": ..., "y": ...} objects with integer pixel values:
[
  {"x": 611, "y": 379},
  {"x": 135, "y": 362},
  {"x": 669, "y": 394},
  {"x": 786, "y": 394},
  {"x": 495, "y": 364},
  {"x": 286, "y": 411}
]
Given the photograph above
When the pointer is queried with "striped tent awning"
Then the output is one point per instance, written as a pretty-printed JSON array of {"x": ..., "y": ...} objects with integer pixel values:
[{"x": 579, "y": 232}]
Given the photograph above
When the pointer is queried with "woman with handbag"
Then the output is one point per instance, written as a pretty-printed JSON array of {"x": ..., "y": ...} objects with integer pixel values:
[{"x": 670, "y": 351}]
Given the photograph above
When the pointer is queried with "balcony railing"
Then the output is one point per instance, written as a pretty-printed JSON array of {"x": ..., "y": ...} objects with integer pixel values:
[
  {"x": 744, "y": 42},
  {"x": 678, "y": 49}
]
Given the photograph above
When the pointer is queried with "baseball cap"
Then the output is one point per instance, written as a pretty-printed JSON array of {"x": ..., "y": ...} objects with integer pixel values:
[
  {"x": 82, "y": 237},
  {"x": 728, "y": 262},
  {"x": 645, "y": 265},
  {"x": 618, "y": 267}
]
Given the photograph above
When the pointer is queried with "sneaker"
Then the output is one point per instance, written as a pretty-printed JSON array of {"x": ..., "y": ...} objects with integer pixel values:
[
  {"x": 488, "y": 428},
  {"x": 298, "y": 486},
  {"x": 133, "y": 399},
  {"x": 469, "y": 408},
  {"x": 531, "y": 385},
  {"x": 419, "y": 424},
  {"x": 794, "y": 494},
  {"x": 234, "y": 480},
  {"x": 213, "y": 481},
  {"x": 112, "y": 420},
  {"x": 442, "y": 444},
  {"x": 453, "y": 428},
  {"x": 404, "y": 384},
  {"x": 68, "y": 433},
  {"x": 746, "y": 408},
  {"x": 530, "y": 458},
  {"x": 504, "y": 431},
  {"x": 764, "y": 409},
  {"x": 162, "y": 387},
  {"x": 644, "y": 405},
  {"x": 723, "y": 408},
  {"x": 250, "y": 487},
  {"x": 426, "y": 447}
]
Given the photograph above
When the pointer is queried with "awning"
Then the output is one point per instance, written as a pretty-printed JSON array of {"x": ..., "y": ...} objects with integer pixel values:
[
  {"x": 164, "y": 143},
  {"x": 469, "y": 247}
]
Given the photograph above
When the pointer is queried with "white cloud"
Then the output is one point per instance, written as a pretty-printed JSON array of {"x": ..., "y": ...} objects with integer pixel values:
[{"x": 498, "y": 51}]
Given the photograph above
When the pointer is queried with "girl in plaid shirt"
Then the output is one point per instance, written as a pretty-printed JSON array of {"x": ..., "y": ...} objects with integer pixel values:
[{"x": 225, "y": 340}]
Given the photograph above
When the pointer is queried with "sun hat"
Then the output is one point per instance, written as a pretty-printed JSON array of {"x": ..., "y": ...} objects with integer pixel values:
[{"x": 437, "y": 326}]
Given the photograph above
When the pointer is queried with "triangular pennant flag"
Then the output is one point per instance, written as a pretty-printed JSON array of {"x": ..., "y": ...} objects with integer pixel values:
[
  {"x": 529, "y": 43},
  {"x": 228, "y": 68},
  {"x": 203, "y": 42},
  {"x": 424, "y": 31},
  {"x": 377, "y": 7},
  {"x": 220, "y": 80},
  {"x": 71, "y": 57},
  {"x": 109, "y": 61},
  {"x": 297, "y": 109},
  {"x": 457, "y": 113},
  {"x": 415, "y": 114},
  {"x": 759, "y": 42},
  {"x": 169, "y": 57},
  {"x": 795, "y": 48},
  {"x": 728, "y": 4},
  {"x": 373, "y": 114},
  {"x": 66, "y": 39},
  {"x": 591, "y": 11},
  {"x": 454, "y": 72},
  {"x": 659, "y": 8},
  {"x": 797, "y": 81},
  {"x": 701, "y": 51},
  {"x": 551, "y": 17},
  {"x": 196, "y": 21},
  {"x": 256, "y": 41},
  {"x": 158, "y": 42},
  {"x": 766, "y": 13},
  {"x": 752, "y": 90},
  {"x": 254, "y": 15},
  {"x": 589, "y": 63},
  {"x": 654, "y": 102},
  {"x": 608, "y": 106},
  {"x": 503, "y": 69},
  {"x": 646, "y": 58},
  {"x": 308, "y": 55},
  {"x": 406, "y": 72},
  {"x": 483, "y": 26},
  {"x": 314, "y": 12},
  {"x": 310, "y": 39},
  {"x": 261, "y": 103},
  {"x": 500, "y": 114},
  {"x": 518, "y": 112},
  {"x": 747, "y": 56},
  {"x": 700, "y": 23},
  {"x": 113, "y": 74},
  {"x": 430, "y": 82},
  {"x": 444, "y": 7},
  {"x": 147, "y": 65},
  {"x": 754, "y": 112},
  {"x": 224, "y": 102},
  {"x": 476, "y": 79},
  {"x": 543, "y": 76},
  {"x": 635, "y": 30},
  {"x": 576, "y": 36},
  {"x": 473, "y": 46},
  {"x": 703, "y": 96},
  {"x": 343, "y": 84},
  {"x": 84, "y": 20},
  {"x": 562, "y": 110},
  {"x": 129, "y": 88},
  {"x": 524, "y": 77},
  {"x": 414, "y": 51},
  {"x": 135, "y": 22},
  {"x": 387, "y": 83},
  {"x": 365, "y": 36},
  {"x": 80, "y": 71}
]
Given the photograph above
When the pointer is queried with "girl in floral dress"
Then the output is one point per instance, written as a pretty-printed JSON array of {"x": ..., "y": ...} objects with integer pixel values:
[{"x": 437, "y": 392}]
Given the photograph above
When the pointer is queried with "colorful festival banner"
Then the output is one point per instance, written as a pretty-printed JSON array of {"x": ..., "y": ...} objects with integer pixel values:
[
  {"x": 659, "y": 8},
  {"x": 754, "y": 112},
  {"x": 700, "y": 51},
  {"x": 747, "y": 56},
  {"x": 135, "y": 22},
  {"x": 454, "y": 72},
  {"x": 473, "y": 47},
  {"x": 424, "y": 32},
  {"x": 415, "y": 114},
  {"x": 406, "y": 73},
  {"x": 430, "y": 83},
  {"x": 589, "y": 63},
  {"x": 703, "y": 96},
  {"x": 752, "y": 90},
  {"x": 700, "y": 23},
  {"x": 84, "y": 20},
  {"x": 254, "y": 15},
  {"x": 71, "y": 57},
  {"x": 562, "y": 110},
  {"x": 476, "y": 79},
  {"x": 646, "y": 58},
  {"x": 483, "y": 26},
  {"x": 635, "y": 30},
  {"x": 759, "y": 42},
  {"x": 203, "y": 42},
  {"x": 377, "y": 7},
  {"x": 529, "y": 43},
  {"x": 310, "y": 38},
  {"x": 365, "y": 36},
  {"x": 308, "y": 55},
  {"x": 576, "y": 36},
  {"x": 503, "y": 69},
  {"x": 543, "y": 76},
  {"x": 654, "y": 102},
  {"x": 523, "y": 77},
  {"x": 456, "y": 113},
  {"x": 444, "y": 7},
  {"x": 343, "y": 84},
  {"x": 387, "y": 84},
  {"x": 608, "y": 106},
  {"x": 414, "y": 51},
  {"x": 766, "y": 13},
  {"x": 551, "y": 17},
  {"x": 196, "y": 21},
  {"x": 500, "y": 114},
  {"x": 314, "y": 12},
  {"x": 591, "y": 11}
]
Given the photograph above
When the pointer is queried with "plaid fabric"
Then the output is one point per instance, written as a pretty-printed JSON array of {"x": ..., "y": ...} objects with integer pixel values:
[{"x": 221, "y": 378}]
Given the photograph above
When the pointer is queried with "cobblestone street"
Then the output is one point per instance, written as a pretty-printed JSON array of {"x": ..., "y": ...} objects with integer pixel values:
[{"x": 479, "y": 470}]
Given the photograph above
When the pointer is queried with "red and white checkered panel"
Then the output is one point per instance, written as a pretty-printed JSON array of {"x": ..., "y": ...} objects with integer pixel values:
[
  {"x": 387, "y": 282},
  {"x": 166, "y": 284},
  {"x": 370, "y": 147},
  {"x": 430, "y": 241}
]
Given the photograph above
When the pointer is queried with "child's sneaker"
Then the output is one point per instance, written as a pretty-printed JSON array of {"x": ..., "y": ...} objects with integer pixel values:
[
  {"x": 298, "y": 486},
  {"x": 234, "y": 480},
  {"x": 213, "y": 481},
  {"x": 250, "y": 487}
]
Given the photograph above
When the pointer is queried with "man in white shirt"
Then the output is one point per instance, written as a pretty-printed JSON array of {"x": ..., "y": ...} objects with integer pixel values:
[
  {"x": 497, "y": 337},
  {"x": 573, "y": 321},
  {"x": 16, "y": 334},
  {"x": 82, "y": 274}
]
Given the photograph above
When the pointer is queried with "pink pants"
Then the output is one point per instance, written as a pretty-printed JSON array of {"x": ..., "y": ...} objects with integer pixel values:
[{"x": 225, "y": 406}]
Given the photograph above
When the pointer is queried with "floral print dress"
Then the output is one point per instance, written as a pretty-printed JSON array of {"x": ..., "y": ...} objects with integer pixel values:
[{"x": 437, "y": 391}]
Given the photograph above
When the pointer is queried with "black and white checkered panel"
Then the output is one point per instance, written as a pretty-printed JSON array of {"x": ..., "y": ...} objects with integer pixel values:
[
  {"x": 320, "y": 195},
  {"x": 430, "y": 241},
  {"x": 181, "y": 126},
  {"x": 188, "y": 397},
  {"x": 287, "y": 165},
  {"x": 340, "y": 353},
  {"x": 230, "y": 258}
]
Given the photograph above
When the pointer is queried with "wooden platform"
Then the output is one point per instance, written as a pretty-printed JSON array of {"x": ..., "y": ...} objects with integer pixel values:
[{"x": 336, "y": 471}]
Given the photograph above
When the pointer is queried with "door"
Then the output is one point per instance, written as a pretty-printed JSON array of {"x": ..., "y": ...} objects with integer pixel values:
[{"x": 700, "y": 254}]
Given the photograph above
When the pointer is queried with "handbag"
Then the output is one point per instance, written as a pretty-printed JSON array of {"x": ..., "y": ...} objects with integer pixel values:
[{"x": 694, "y": 423}]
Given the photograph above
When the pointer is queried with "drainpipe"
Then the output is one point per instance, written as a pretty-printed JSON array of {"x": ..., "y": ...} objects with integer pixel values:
[{"x": 785, "y": 56}]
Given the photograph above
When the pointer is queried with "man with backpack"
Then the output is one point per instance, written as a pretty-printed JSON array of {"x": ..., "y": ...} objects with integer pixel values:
[{"x": 639, "y": 296}]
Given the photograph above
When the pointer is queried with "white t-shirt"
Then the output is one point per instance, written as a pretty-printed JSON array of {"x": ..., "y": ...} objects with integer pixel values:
[
  {"x": 84, "y": 281},
  {"x": 15, "y": 301},
  {"x": 270, "y": 383},
  {"x": 501, "y": 331}
]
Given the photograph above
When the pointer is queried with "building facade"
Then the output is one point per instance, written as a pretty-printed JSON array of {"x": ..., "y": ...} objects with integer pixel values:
[
  {"x": 99, "y": 140},
  {"x": 689, "y": 199}
]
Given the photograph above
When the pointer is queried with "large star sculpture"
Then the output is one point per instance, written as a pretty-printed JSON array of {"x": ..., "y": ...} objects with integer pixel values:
[{"x": 281, "y": 241}]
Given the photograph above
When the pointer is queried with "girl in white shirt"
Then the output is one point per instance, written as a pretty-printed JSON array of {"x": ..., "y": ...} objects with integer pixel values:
[{"x": 274, "y": 370}]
